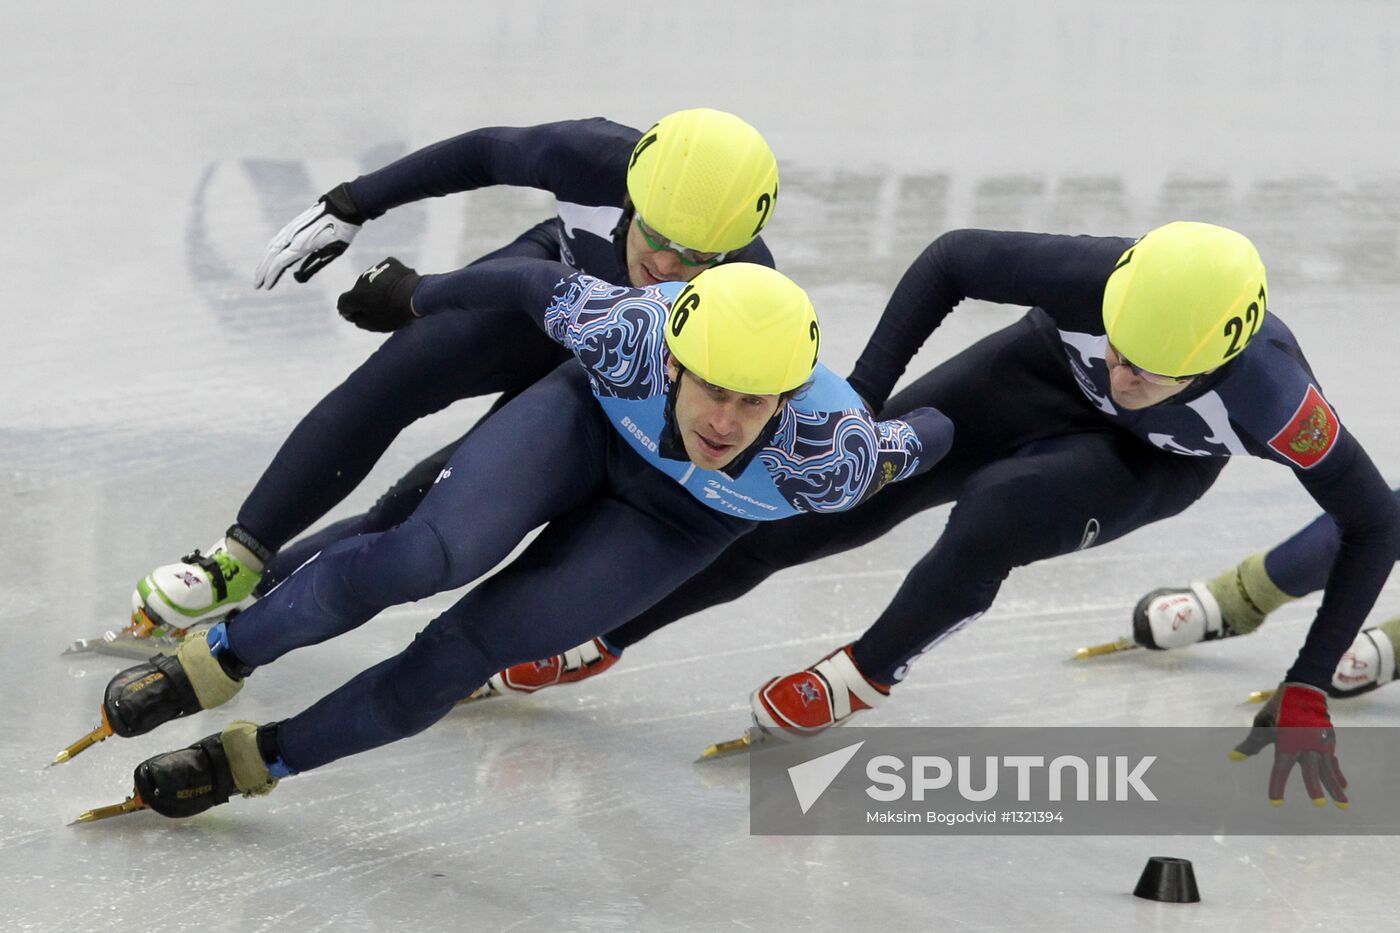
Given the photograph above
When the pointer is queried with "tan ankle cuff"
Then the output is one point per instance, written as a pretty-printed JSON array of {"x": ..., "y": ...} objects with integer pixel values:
[
  {"x": 211, "y": 685},
  {"x": 1258, "y": 586},
  {"x": 250, "y": 773},
  {"x": 1247, "y": 595},
  {"x": 244, "y": 556},
  {"x": 1392, "y": 631}
]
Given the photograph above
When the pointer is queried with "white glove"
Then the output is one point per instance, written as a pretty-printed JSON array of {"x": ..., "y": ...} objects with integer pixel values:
[{"x": 318, "y": 235}]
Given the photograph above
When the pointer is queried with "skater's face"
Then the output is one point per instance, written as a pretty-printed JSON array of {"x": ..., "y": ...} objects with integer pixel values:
[
  {"x": 715, "y": 424},
  {"x": 1132, "y": 389},
  {"x": 651, "y": 258}
]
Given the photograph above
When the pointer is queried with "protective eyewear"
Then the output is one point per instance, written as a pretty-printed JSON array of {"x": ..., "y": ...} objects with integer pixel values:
[
  {"x": 1157, "y": 379},
  {"x": 688, "y": 257}
]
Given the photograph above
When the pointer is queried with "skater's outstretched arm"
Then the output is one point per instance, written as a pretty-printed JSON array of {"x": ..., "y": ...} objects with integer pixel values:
[
  {"x": 581, "y": 161},
  {"x": 1007, "y": 268}
]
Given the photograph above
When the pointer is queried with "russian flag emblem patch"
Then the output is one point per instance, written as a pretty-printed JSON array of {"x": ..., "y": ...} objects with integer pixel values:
[{"x": 1310, "y": 433}]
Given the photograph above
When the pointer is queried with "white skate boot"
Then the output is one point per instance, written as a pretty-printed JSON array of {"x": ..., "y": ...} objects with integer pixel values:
[
  {"x": 1173, "y": 617},
  {"x": 1369, "y": 663},
  {"x": 198, "y": 591},
  {"x": 175, "y": 599},
  {"x": 201, "y": 588}
]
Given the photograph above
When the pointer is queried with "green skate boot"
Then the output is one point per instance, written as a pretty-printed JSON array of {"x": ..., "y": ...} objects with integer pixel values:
[{"x": 199, "y": 590}]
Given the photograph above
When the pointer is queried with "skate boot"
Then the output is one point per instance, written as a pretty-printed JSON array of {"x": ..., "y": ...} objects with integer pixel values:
[
  {"x": 803, "y": 704},
  {"x": 189, "y": 781},
  {"x": 1368, "y": 664},
  {"x": 826, "y": 694},
  {"x": 587, "y": 660},
  {"x": 200, "y": 589},
  {"x": 1236, "y": 602},
  {"x": 202, "y": 674},
  {"x": 1172, "y": 617}
]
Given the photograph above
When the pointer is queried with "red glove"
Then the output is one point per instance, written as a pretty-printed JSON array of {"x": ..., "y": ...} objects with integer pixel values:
[{"x": 1296, "y": 723}]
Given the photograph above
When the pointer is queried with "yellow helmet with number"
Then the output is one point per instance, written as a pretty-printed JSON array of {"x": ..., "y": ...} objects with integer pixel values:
[
  {"x": 703, "y": 179},
  {"x": 746, "y": 328},
  {"x": 1185, "y": 298}
]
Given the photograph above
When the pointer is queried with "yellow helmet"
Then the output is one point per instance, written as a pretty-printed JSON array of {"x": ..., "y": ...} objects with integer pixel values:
[
  {"x": 703, "y": 179},
  {"x": 746, "y": 328},
  {"x": 1185, "y": 298}
]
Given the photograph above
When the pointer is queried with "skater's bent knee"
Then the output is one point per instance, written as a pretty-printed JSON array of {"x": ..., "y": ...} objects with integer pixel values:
[
  {"x": 410, "y": 561},
  {"x": 442, "y": 665}
]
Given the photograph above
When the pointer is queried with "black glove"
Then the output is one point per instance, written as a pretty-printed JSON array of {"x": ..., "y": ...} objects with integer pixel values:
[{"x": 382, "y": 299}]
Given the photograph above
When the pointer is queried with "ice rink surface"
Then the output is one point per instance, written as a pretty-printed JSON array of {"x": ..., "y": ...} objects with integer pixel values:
[{"x": 152, "y": 150}]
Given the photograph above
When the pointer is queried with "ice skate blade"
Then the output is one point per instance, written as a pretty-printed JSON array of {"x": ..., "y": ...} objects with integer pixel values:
[
  {"x": 1260, "y": 696},
  {"x": 88, "y": 741},
  {"x": 129, "y": 805},
  {"x": 1112, "y": 647},
  {"x": 83, "y": 646},
  {"x": 124, "y": 645},
  {"x": 737, "y": 746}
]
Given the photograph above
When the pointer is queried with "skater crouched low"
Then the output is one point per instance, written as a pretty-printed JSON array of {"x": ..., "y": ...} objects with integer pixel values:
[
  {"x": 1141, "y": 367},
  {"x": 691, "y": 414}
]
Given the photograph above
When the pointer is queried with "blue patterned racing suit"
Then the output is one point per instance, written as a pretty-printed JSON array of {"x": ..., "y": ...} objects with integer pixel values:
[
  {"x": 583, "y": 452},
  {"x": 436, "y": 361}
]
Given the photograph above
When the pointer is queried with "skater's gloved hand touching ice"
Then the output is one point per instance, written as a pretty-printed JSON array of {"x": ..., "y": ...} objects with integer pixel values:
[
  {"x": 316, "y": 237},
  {"x": 1296, "y": 723},
  {"x": 382, "y": 297}
]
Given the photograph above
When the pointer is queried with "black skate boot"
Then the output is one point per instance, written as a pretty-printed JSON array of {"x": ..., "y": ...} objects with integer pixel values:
[
  {"x": 189, "y": 781},
  {"x": 201, "y": 675},
  {"x": 147, "y": 695},
  {"x": 204, "y": 673}
]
